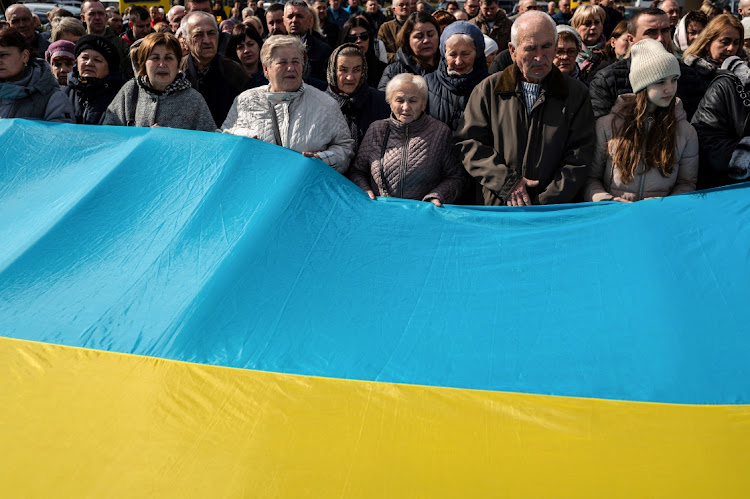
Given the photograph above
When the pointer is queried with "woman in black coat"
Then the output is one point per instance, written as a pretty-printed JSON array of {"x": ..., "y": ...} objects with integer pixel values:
[
  {"x": 92, "y": 85},
  {"x": 347, "y": 84},
  {"x": 357, "y": 30},
  {"x": 462, "y": 67}
]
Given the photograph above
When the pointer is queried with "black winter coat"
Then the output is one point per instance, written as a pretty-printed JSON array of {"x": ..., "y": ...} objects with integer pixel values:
[
  {"x": 91, "y": 99},
  {"x": 448, "y": 94},
  {"x": 404, "y": 63},
  {"x": 502, "y": 61},
  {"x": 361, "y": 110},
  {"x": 612, "y": 81},
  {"x": 720, "y": 123},
  {"x": 318, "y": 52},
  {"x": 219, "y": 84}
]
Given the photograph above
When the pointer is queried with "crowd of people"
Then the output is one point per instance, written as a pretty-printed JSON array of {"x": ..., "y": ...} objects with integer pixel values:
[{"x": 469, "y": 105}]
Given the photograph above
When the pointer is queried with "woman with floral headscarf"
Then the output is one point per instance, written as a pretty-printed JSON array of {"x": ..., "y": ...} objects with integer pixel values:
[{"x": 347, "y": 84}]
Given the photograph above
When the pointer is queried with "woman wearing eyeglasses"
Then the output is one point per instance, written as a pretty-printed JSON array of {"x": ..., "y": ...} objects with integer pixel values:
[
  {"x": 347, "y": 84},
  {"x": 588, "y": 21},
  {"x": 357, "y": 30},
  {"x": 568, "y": 46}
]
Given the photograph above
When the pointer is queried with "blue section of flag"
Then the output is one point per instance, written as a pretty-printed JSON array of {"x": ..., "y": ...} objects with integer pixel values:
[{"x": 228, "y": 251}]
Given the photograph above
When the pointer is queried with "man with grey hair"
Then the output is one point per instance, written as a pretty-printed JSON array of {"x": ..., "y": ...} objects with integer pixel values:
[
  {"x": 19, "y": 16},
  {"x": 527, "y": 135},
  {"x": 743, "y": 8},
  {"x": 218, "y": 79}
]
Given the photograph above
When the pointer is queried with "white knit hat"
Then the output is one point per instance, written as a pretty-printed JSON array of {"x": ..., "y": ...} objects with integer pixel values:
[{"x": 650, "y": 62}]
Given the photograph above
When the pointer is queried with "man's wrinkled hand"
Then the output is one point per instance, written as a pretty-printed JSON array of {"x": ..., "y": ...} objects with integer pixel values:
[{"x": 520, "y": 196}]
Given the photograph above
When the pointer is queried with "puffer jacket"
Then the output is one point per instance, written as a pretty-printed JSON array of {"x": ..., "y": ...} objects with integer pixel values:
[
  {"x": 179, "y": 106},
  {"x": 500, "y": 31},
  {"x": 418, "y": 161},
  {"x": 36, "y": 95},
  {"x": 308, "y": 120},
  {"x": 91, "y": 98},
  {"x": 605, "y": 182},
  {"x": 720, "y": 122},
  {"x": 404, "y": 64},
  {"x": 553, "y": 144},
  {"x": 361, "y": 110},
  {"x": 448, "y": 94},
  {"x": 614, "y": 80}
]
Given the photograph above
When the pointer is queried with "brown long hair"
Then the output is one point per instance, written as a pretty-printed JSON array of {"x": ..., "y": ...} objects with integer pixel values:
[{"x": 632, "y": 138}]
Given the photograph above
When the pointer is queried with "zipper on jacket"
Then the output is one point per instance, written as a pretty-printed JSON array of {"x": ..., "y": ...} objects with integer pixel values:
[
  {"x": 640, "y": 187},
  {"x": 402, "y": 173}
]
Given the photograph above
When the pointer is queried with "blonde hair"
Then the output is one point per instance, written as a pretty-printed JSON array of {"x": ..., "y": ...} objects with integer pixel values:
[
  {"x": 67, "y": 25},
  {"x": 585, "y": 12}
]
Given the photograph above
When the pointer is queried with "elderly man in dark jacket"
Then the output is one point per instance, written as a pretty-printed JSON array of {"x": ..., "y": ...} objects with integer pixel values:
[
  {"x": 614, "y": 80},
  {"x": 218, "y": 79},
  {"x": 527, "y": 135}
]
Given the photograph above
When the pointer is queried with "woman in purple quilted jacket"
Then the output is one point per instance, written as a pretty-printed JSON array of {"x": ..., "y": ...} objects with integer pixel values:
[{"x": 410, "y": 154}]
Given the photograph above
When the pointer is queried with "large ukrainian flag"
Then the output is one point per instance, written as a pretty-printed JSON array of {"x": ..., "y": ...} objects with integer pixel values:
[{"x": 193, "y": 315}]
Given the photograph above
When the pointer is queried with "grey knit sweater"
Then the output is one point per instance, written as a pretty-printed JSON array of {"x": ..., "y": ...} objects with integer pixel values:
[{"x": 179, "y": 106}]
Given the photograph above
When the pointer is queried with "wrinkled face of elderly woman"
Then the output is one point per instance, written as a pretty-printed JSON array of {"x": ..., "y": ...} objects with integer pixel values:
[
  {"x": 407, "y": 103},
  {"x": 285, "y": 70},
  {"x": 460, "y": 54},
  {"x": 348, "y": 73}
]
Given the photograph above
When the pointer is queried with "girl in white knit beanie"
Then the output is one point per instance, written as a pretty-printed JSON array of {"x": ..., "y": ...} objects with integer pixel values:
[{"x": 645, "y": 148}]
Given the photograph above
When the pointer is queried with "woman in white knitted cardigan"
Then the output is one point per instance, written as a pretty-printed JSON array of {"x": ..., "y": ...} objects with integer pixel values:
[{"x": 645, "y": 147}]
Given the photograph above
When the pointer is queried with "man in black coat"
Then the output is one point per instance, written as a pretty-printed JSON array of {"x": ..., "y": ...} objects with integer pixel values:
[
  {"x": 218, "y": 79},
  {"x": 298, "y": 22},
  {"x": 613, "y": 80},
  {"x": 330, "y": 29}
]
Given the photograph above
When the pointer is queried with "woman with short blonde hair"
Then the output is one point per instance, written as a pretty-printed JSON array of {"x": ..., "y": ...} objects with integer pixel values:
[{"x": 588, "y": 21}]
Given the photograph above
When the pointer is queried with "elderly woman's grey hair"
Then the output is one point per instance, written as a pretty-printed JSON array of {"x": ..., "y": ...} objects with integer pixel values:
[
  {"x": 531, "y": 17},
  {"x": 247, "y": 11},
  {"x": 198, "y": 14},
  {"x": 67, "y": 25},
  {"x": 281, "y": 41},
  {"x": 404, "y": 79}
]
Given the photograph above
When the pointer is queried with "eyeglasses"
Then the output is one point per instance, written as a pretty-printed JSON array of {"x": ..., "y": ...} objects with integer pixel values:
[
  {"x": 363, "y": 37},
  {"x": 570, "y": 53}
]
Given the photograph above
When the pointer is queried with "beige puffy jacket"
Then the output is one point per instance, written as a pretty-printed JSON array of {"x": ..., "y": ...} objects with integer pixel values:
[{"x": 604, "y": 182}]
